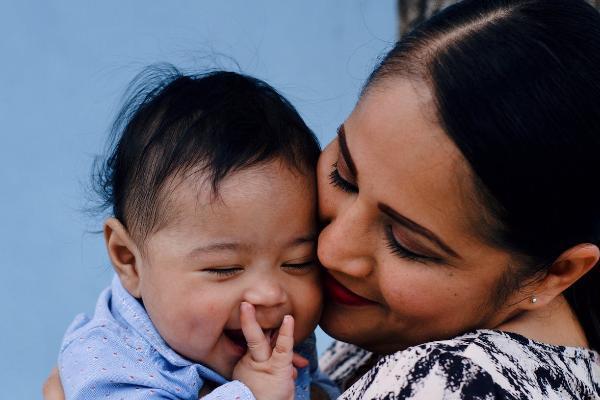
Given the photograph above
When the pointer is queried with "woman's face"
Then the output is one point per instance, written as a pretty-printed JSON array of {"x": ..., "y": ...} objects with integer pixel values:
[{"x": 400, "y": 245}]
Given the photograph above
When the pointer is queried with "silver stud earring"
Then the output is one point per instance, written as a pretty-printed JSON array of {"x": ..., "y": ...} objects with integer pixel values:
[{"x": 533, "y": 299}]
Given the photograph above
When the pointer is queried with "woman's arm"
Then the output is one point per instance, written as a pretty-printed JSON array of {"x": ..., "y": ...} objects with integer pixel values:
[{"x": 52, "y": 389}]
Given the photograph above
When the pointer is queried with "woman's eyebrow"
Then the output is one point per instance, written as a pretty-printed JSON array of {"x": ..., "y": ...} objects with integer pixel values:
[
  {"x": 341, "y": 133},
  {"x": 420, "y": 230}
]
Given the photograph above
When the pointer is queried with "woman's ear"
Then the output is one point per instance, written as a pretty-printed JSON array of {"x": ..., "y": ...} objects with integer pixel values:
[
  {"x": 124, "y": 255},
  {"x": 565, "y": 271}
]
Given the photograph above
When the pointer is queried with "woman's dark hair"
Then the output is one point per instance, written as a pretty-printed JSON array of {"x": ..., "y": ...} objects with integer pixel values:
[
  {"x": 517, "y": 88},
  {"x": 173, "y": 125}
]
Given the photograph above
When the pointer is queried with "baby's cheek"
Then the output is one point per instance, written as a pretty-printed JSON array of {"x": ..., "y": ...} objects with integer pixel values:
[
  {"x": 308, "y": 307},
  {"x": 194, "y": 335},
  {"x": 187, "y": 327}
]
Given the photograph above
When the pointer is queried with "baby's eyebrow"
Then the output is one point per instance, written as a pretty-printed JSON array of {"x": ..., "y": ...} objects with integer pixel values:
[
  {"x": 237, "y": 246},
  {"x": 304, "y": 239},
  {"x": 220, "y": 246}
]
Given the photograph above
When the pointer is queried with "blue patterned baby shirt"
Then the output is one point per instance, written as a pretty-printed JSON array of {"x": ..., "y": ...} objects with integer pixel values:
[{"x": 118, "y": 354}]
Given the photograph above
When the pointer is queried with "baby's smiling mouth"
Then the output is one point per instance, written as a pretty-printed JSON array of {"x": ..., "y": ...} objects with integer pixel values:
[{"x": 238, "y": 338}]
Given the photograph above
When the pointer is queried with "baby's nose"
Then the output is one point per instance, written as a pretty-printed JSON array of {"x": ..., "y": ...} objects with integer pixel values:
[
  {"x": 266, "y": 294},
  {"x": 270, "y": 317}
]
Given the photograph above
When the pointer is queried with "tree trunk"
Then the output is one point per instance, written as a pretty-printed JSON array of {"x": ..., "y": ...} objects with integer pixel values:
[{"x": 412, "y": 12}]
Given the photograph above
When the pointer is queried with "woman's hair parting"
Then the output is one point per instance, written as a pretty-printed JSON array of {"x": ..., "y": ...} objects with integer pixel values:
[
  {"x": 516, "y": 84},
  {"x": 173, "y": 125}
]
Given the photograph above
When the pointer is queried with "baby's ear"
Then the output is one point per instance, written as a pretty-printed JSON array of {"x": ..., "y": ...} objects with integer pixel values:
[{"x": 123, "y": 254}]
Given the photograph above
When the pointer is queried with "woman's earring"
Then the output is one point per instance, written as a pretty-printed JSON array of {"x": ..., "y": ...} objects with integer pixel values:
[{"x": 533, "y": 299}]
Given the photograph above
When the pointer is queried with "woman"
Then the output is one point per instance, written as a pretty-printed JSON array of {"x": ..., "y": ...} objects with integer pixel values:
[{"x": 461, "y": 211}]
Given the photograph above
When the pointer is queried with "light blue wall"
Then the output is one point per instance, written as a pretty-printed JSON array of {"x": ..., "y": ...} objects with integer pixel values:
[{"x": 64, "y": 67}]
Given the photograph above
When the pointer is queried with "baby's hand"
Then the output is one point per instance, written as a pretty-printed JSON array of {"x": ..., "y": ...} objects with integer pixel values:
[{"x": 268, "y": 373}]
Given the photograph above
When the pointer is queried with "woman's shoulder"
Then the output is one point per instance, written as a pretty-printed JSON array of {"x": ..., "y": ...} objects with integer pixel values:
[
  {"x": 475, "y": 365},
  {"x": 342, "y": 360}
]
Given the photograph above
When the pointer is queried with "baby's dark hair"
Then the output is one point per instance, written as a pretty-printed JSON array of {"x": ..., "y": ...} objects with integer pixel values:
[{"x": 174, "y": 124}]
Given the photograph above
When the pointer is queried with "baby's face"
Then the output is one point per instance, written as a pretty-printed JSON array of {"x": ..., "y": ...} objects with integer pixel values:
[{"x": 255, "y": 243}]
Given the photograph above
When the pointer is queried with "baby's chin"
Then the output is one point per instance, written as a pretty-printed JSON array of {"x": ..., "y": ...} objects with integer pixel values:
[
  {"x": 223, "y": 365},
  {"x": 226, "y": 371}
]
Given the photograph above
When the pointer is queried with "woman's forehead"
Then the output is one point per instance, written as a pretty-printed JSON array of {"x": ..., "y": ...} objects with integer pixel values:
[
  {"x": 394, "y": 134},
  {"x": 405, "y": 159}
]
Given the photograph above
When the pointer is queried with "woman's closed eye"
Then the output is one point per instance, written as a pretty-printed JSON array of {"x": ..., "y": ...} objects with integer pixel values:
[
  {"x": 401, "y": 251},
  {"x": 336, "y": 180}
]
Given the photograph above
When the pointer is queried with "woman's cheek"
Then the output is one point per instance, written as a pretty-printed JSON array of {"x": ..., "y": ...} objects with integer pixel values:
[
  {"x": 404, "y": 293},
  {"x": 419, "y": 293}
]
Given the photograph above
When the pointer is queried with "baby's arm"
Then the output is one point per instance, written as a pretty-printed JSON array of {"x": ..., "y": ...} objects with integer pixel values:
[
  {"x": 89, "y": 369},
  {"x": 268, "y": 373},
  {"x": 98, "y": 364},
  {"x": 53, "y": 390}
]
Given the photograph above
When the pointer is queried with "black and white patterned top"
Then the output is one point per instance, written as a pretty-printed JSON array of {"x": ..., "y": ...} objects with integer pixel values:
[{"x": 484, "y": 364}]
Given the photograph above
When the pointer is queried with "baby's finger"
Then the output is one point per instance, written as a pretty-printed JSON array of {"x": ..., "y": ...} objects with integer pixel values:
[
  {"x": 283, "y": 352},
  {"x": 258, "y": 345},
  {"x": 299, "y": 361}
]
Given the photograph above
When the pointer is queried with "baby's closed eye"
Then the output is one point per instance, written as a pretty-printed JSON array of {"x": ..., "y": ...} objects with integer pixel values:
[
  {"x": 223, "y": 271},
  {"x": 300, "y": 266}
]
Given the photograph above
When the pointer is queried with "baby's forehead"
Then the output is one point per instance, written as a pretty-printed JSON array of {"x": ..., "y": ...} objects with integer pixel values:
[{"x": 193, "y": 195}]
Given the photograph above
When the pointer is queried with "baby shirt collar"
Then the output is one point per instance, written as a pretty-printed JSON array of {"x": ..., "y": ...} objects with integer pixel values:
[{"x": 135, "y": 315}]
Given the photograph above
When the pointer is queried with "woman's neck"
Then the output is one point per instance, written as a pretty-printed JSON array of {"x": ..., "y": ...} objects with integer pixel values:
[{"x": 555, "y": 324}]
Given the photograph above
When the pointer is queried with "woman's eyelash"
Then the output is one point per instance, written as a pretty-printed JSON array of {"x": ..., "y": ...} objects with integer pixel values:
[
  {"x": 336, "y": 180},
  {"x": 402, "y": 251}
]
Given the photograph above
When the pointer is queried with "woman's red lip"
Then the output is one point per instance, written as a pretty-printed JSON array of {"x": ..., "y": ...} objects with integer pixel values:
[{"x": 343, "y": 295}]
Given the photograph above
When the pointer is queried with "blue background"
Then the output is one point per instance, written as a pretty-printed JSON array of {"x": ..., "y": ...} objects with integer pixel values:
[{"x": 65, "y": 65}]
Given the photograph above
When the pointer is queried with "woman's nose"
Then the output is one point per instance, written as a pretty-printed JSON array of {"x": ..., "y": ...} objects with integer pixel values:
[{"x": 345, "y": 243}]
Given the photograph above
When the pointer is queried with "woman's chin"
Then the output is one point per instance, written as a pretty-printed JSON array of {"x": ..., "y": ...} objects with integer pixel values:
[
  {"x": 341, "y": 325},
  {"x": 359, "y": 327}
]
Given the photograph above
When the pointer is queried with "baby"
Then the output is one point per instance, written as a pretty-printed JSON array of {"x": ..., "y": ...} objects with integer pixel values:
[{"x": 212, "y": 188}]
